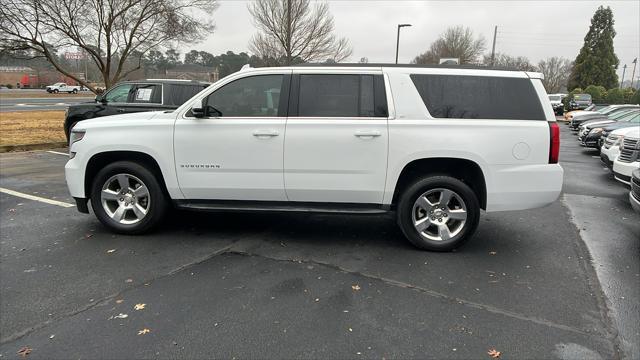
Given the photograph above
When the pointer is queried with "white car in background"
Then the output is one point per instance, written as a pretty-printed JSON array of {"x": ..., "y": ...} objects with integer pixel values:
[
  {"x": 556, "y": 103},
  {"x": 611, "y": 147},
  {"x": 62, "y": 87},
  {"x": 629, "y": 158}
]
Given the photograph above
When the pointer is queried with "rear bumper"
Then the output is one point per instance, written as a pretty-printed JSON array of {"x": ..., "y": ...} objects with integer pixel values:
[{"x": 524, "y": 187}]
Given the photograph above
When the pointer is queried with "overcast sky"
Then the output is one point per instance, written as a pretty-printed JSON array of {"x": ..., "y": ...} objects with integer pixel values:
[{"x": 535, "y": 29}]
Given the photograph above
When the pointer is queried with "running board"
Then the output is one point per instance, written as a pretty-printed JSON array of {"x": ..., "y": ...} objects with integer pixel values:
[{"x": 281, "y": 206}]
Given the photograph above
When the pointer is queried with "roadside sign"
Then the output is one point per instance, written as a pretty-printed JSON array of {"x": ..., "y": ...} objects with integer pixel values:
[{"x": 74, "y": 55}]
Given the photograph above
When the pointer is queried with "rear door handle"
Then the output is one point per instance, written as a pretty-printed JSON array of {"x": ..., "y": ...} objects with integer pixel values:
[
  {"x": 265, "y": 133},
  {"x": 367, "y": 134}
]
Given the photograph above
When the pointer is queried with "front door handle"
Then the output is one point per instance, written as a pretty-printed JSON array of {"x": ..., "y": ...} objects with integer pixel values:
[
  {"x": 265, "y": 133},
  {"x": 367, "y": 134},
  {"x": 121, "y": 110}
]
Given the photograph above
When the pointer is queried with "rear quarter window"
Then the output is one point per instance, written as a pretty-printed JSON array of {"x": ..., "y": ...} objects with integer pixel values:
[{"x": 479, "y": 97}]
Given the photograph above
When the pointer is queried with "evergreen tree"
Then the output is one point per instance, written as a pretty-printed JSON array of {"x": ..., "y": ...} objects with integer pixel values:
[{"x": 596, "y": 63}]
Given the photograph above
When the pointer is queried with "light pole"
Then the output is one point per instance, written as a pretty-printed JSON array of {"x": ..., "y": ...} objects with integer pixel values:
[
  {"x": 635, "y": 62},
  {"x": 624, "y": 69},
  {"x": 398, "y": 39}
]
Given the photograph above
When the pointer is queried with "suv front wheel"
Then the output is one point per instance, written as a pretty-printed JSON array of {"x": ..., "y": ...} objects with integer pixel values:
[
  {"x": 127, "y": 198},
  {"x": 438, "y": 213}
]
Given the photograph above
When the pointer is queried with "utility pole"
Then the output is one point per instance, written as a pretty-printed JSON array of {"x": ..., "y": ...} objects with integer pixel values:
[
  {"x": 624, "y": 69},
  {"x": 398, "y": 39},
  {"x": 493, "y": 47},
  {"x": 633, "y": 74}
]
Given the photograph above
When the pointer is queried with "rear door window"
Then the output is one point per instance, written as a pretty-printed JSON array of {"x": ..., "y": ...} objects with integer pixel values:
[
  {"x": 147, "y": 94},
  {"x": 336, "y": 95},
  {"x": 479, "y": 97}
]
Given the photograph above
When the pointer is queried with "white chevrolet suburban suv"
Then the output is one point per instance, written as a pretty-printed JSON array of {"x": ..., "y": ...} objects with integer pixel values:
[{"x": 434, "y": 145}]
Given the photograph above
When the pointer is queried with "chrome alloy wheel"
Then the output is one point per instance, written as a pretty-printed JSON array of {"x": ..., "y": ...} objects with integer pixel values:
[
  {"x": 439, "y": 214},
  {"x": 125, "y": 199}
]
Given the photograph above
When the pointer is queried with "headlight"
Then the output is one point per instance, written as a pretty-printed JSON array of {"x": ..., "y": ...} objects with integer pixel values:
[{"x": 76, "y": 135}]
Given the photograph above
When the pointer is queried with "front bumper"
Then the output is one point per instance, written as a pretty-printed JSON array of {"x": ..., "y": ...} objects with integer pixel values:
[
  {"x": 605, "y": 160},
  {"x": 635, "y": 203},
  {"x": 590, "y": 140},
  {"x": 634, "y": 194},
  {"x": 622, "y": 170}
]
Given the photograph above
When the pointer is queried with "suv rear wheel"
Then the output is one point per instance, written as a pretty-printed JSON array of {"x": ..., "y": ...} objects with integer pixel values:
[
  {"x": 127, "y": 198},
  {"x": 438, "y": 213}
]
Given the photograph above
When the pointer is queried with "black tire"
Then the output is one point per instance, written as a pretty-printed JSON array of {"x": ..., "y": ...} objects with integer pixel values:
[
  {"x": 405, "y": 212},
  {"x": 158, "y": 203},
  {"x": 75, "y": 91}
]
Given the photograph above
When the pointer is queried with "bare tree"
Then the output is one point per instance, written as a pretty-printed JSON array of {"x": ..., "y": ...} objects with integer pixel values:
[
  {"x": 455, "y": 42},
  {"x": 113, "y": 34},
  {"x": 556, "y": 71},
  {"x": 508, "y": 61},
  {"x": 294, "y": 31}
]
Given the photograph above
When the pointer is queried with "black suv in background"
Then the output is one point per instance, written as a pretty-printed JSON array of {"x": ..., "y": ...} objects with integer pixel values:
[{"x": 135, "y": 96}]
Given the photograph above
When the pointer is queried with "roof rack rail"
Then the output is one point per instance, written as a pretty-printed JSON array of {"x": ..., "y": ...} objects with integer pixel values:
[{"x": 464, "y": 66}]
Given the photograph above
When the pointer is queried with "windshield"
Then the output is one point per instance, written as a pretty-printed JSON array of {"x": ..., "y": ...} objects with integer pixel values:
[
  {"x": 634, "y": 118},
  {"x": 620, "y": 114},
  {"x": 616, "y": 112},
  {"x": 582, "y": 97},
  {"x": 626, "y": 116},
  {"x": 605, "y": 110},
  {"x": 554, "y": 98}
]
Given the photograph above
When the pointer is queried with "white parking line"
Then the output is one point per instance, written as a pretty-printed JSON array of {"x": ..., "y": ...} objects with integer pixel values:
[
  {"x": 36, "y": 198},
  {"x": 57, "y": 153}
]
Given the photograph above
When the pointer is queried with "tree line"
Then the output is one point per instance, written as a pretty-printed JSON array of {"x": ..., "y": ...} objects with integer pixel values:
[{"x": 122, "y": 37}]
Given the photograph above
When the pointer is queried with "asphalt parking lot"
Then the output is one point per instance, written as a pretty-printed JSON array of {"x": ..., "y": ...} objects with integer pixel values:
[{"x": 557, "y": 282}]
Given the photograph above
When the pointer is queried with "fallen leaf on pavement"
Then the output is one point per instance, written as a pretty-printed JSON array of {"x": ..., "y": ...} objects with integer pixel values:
[
  {"x": 12, "y": 210},
  {"x": 52, "y": 336},
  {"x": 111, "y": 251},
  {"x": 143, "y": 331},
  {"x": 24, "y": 351},
  {"x": 139, "y": 306},
  {"x": 355, "y": 287},
  {"x": 119, "y": 301},
  {"x": 88, "y": 236},
  {"x": 121, "y": 316},
  {"x": 129, "y": 281},
  {"x": 494, "y": 353},
  {"x": 492, "y": 252}
]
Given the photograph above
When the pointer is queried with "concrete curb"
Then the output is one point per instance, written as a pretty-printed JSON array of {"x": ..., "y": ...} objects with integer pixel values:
[{"x": 29, "y": 147}]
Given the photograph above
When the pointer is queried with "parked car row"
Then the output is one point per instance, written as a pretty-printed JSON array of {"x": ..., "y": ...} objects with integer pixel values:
[{"x": 615, "y": 132}]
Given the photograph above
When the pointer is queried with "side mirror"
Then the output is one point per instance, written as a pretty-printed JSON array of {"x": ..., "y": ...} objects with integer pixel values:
[
  {"x": 100, "y": 99},
  {"x": 198, "y": 109}
]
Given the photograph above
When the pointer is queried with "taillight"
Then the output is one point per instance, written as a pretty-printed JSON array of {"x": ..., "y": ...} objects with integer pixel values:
[{"x": 554, "y": 142}]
